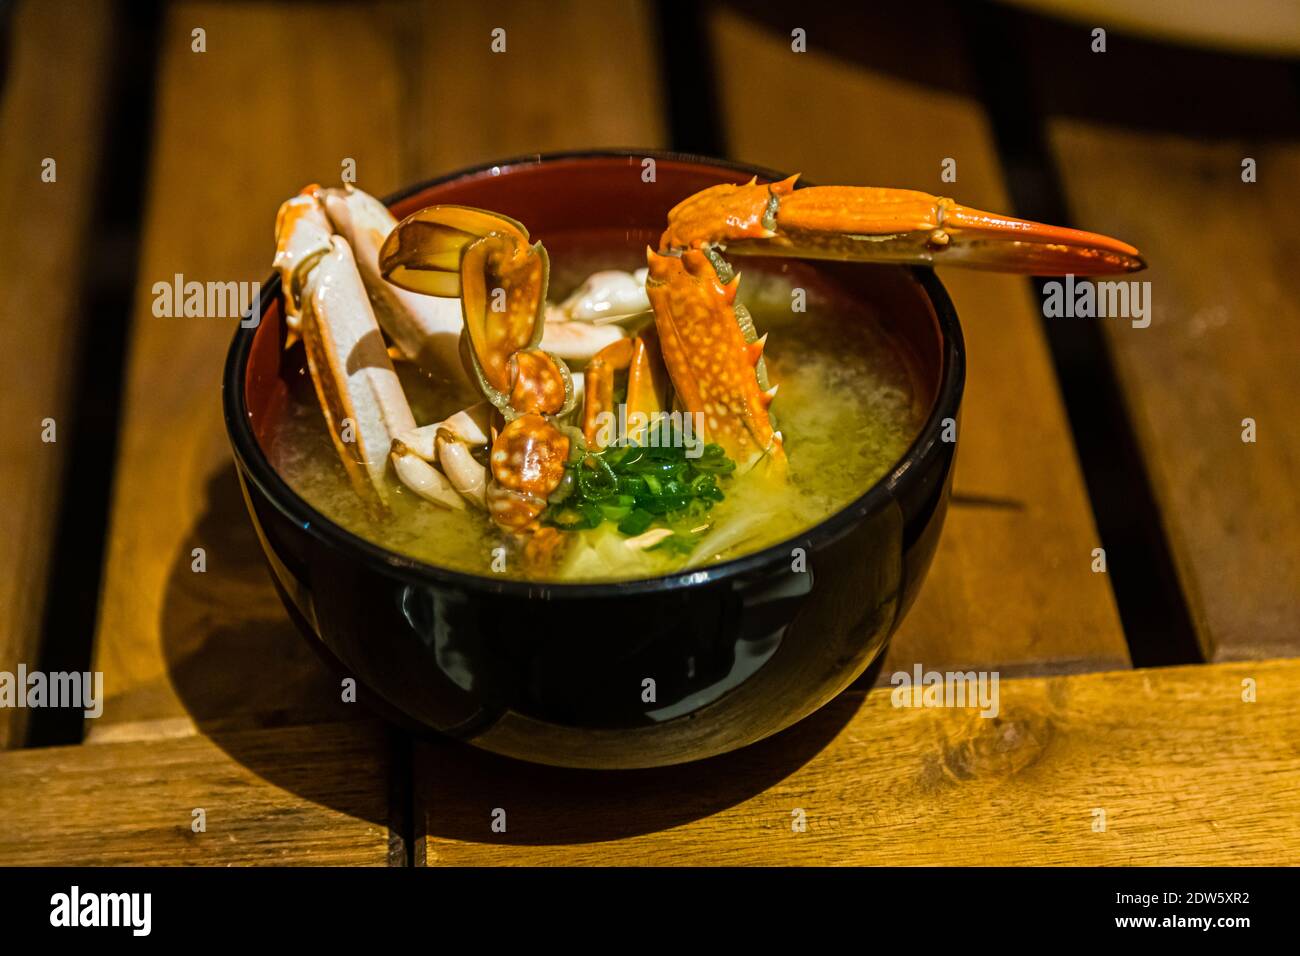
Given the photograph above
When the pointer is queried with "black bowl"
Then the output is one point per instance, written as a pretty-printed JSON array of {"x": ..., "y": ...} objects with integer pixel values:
[{"x": 555, "y": 673}]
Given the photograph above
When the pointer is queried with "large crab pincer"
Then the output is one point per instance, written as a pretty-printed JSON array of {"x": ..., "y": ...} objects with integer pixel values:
[
  {"x": 486, "y": 261},
  {"x": 709, "y": 343}
]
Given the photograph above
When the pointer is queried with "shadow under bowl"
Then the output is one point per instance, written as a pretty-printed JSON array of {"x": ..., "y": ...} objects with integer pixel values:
[{"x": 554, "y": 673}]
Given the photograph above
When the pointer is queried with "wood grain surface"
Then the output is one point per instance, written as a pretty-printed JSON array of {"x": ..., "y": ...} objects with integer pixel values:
[
  {"x": 214, "y": 649},
  {"x": 306, "y": 795},
  {"x": 1223, "y": 346},
  {"x": 1011, "y": 586},
  {"x": 55, "y": 114},
  {"x": 217, "y": 645},
  {"x": 1175, "y": 765}
]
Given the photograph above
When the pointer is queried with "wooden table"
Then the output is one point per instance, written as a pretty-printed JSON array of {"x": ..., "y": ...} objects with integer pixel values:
[{"x": 214, "y": 703}]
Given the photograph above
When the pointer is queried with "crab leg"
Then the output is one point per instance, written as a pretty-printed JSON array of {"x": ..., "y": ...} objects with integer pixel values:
[
  {"x": 528, "y": 459},
  {"x": 302, "y": 236},
  {"x": 501, "y": 279},
  {"x": 866, "y": 223},
  {"x": 470, "y": 426},
  {"x": 708, "y": 343},
  {"x": 422, "y": 478},
  {"x": 448, "y": 443},
  {"x": 647, "y": 387},
  {"x": 425, "y": 331},
  {"x": 358, "y": 388}
]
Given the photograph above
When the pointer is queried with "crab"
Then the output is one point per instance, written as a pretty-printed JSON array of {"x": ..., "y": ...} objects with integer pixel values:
[
  {"x": 337, "y": 302},
  {"x": 462, "y": 292}
]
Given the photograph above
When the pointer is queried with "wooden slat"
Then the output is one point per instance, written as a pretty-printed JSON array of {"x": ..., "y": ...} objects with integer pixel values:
[
  {"x": 408, "y": 91},
  {"x": 1011, "y": 586},
  {"x": 575, "y": 74},
  {"x": 316, "y": 795},
  {"x": 1223, "y": 346},
  {"x": 1164, "y": 170},
  {"x": 217, "y": 645},
  {"x": 52, "y": 107},
  {"x": 1185, "y": 770}
]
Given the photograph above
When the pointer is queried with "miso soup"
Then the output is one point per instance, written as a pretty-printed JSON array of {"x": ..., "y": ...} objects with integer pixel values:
[{"x": 847, "y": 407}]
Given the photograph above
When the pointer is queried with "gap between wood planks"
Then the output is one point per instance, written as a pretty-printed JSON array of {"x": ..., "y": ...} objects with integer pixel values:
[
  {"x": 1152, "y": 606},
  {"x": 1183, "y": 765},
  {"x": 689, "y": 79},
  {"x": 110, "y": 260}
]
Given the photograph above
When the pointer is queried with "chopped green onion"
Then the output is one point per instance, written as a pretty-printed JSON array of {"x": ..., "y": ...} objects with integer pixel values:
[
  {"x": 636, "y": 487},
  {"x": 677, "y": 543},
  {"x": 636, "y": 522},
  {"x": 631, "y": 485}
]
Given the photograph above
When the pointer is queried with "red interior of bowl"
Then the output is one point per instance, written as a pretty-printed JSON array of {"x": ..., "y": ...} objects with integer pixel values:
[{"x": 604, "y": 201}]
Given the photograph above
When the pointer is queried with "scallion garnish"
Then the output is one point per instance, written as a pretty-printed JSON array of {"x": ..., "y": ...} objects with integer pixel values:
[{"x": 638, "y": 486}]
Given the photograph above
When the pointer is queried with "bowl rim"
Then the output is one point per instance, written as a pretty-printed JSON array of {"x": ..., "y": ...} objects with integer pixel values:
[{"x": 258, "y": 468}]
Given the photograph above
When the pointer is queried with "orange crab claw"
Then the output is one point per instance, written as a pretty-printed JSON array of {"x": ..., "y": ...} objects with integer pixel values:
[
  {"x": 598, "y": 387},
  {"x": 704, "y": 348},
  {"x": 527, "y": 461},
  {"x": 484, "y": 258},
  {"x": 873, "y": 224},
  {"x": 540, "y": 383},
  {"x": 724, "y": 214},
  {"x": 647, "y": 384}
]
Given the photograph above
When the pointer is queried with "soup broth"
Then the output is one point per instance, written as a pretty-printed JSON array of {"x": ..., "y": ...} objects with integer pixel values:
[{"x": 847, "y": 409}]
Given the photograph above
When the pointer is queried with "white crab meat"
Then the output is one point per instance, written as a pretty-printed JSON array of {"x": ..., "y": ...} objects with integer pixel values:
[
  {"x": 608, "y": 295},
  {"x": 576, "y": 342},
  {"x": 594, "y": 315}
]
